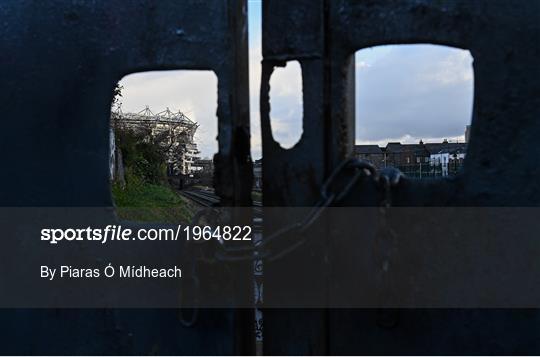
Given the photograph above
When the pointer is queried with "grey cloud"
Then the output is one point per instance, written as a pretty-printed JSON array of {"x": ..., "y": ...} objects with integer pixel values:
[
  {"x": 419, "y": 91},
  {"x": 406, "y": 92},
  {"x": 192, "y": 92}
]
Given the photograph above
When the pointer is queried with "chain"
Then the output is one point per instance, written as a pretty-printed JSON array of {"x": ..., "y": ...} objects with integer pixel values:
[
  {"x": 331, "y": 193},
  {"x": 385, "y": 248}
]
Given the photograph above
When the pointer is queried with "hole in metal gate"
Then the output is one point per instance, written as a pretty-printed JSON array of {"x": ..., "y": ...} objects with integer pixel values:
[
  {"x": 287, "y": 110},
  {"x": 413, "y": 108},
  {"x": 163, "y": 138}
]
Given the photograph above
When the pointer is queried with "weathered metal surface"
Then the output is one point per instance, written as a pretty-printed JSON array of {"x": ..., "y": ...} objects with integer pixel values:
[
  {"x": 59, "y": 66},
  {"x": 60, "y": 63},
  {"x": 503, "y": 38}
]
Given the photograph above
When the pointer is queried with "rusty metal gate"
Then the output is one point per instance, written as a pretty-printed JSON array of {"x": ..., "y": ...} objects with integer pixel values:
[
  {"x": 61, "y": 60},
  {"x": 323, "y": 35}
]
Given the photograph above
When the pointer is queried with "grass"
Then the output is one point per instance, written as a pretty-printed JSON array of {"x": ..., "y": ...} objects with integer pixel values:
[{"x": 147, "y": 202}]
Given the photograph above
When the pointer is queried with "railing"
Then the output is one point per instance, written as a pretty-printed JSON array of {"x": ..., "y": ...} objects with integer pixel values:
[{"x": 428, "y": 170}]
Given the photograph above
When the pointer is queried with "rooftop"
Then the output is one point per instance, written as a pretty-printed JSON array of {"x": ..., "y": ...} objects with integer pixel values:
[{"x": 397, "y": 147}]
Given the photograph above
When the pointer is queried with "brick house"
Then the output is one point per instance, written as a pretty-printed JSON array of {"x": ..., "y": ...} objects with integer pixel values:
[
  {"x": 405, "y": 156},
  {"x": 371, "y": 153}
]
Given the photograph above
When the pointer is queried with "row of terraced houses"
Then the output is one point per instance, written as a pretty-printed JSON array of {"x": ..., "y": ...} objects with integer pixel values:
[{"x": 420, "y": 160}]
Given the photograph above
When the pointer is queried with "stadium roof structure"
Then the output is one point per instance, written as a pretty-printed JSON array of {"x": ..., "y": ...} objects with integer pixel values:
[{"x": 146, "y": 116}]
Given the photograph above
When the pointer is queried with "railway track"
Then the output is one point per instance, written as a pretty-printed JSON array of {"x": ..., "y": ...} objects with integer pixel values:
[
  {"x": 201, "y": 197},
  {"x": 206, "y": 198}
]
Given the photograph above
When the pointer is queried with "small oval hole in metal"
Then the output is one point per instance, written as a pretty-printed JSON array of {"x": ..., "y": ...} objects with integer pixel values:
[{"x": 286, "y": 104}]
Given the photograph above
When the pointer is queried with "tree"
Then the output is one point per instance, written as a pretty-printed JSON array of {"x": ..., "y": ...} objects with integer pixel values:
[{"x": 117, "y": 96}]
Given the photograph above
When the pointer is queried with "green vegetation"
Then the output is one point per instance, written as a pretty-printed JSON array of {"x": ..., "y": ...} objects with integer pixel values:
[
  {"x": 143, "y": 158},
  {"x": 148, "y": 202},
  {"x": 146, "y": 195}
]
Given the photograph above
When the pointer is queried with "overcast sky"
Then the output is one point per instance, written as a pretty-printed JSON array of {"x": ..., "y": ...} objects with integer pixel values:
[{"x": 403, "y": 93}]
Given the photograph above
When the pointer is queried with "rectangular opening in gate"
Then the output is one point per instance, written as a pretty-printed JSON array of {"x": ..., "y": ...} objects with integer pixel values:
[
  {"x": 163, "y": 138},
  {"x": 414, "y": 107}
]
